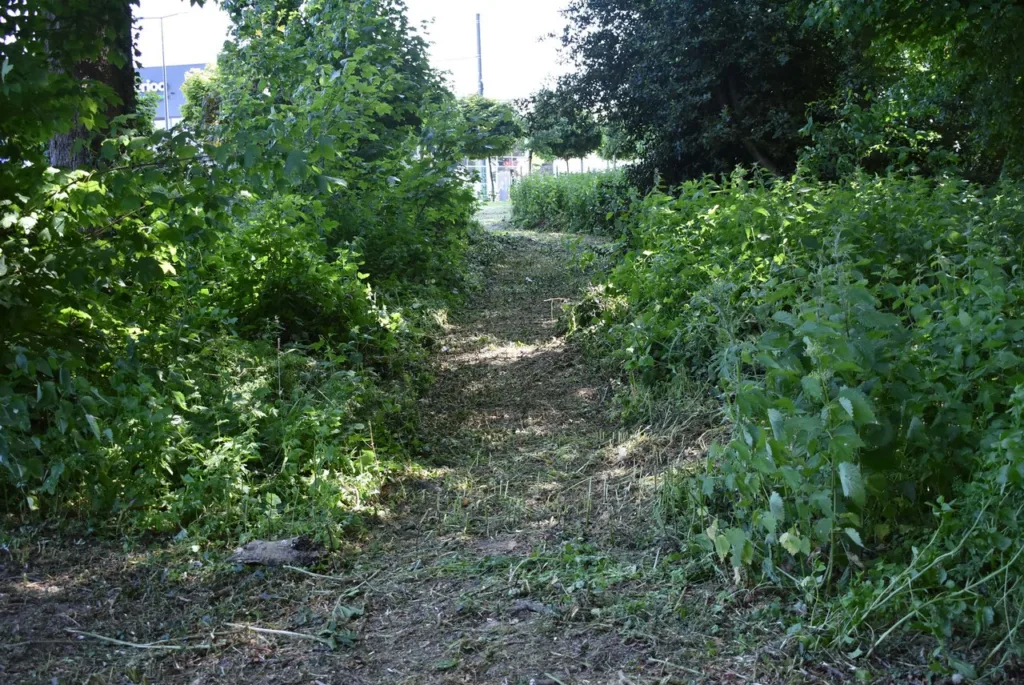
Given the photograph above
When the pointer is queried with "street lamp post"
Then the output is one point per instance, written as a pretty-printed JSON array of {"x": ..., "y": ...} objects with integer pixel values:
[{"x": 163, "y": 62}]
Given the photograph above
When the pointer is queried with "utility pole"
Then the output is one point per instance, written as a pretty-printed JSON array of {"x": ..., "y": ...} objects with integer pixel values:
[
  {"x": 480, "y": 90},
  {"x": 479, "y": 58},
  {"x": 167, "y": 87},
  {"x": 163, "y": 62}
]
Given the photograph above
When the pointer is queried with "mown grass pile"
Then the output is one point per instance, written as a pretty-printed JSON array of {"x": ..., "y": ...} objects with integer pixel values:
[
  {"x": 865, "y": 340},
  {"x": 577, "y": 203},
  {"x": 219, "y": 327}
]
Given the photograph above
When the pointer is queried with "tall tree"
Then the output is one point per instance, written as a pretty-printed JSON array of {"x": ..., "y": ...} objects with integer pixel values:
[
  {"x": 615, "y": 144},
  {"x": 704, "y": 84},
  {"x": 492, "y": 128},
  {"x": 89, "y": 47},
  {"x": 558, "y": 126}
]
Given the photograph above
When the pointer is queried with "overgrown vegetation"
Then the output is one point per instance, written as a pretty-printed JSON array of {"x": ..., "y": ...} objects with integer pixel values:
[
  {"x": 577, "y": 203},
  {"x": 859, "y": 319},
  {"x": 219, "y": 326},
  {"x": 219, "y": 329},
  {"x": 864, "y": 339}
]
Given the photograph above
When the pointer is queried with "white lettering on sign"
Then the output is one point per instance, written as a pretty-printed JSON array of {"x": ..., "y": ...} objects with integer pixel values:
[{"x": 151, "y": 87}]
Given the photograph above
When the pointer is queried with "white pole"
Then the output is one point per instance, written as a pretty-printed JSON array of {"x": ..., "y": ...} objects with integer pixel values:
[
  {"x": 163, "y": 66},
  {"x": 167, "y": 87}
]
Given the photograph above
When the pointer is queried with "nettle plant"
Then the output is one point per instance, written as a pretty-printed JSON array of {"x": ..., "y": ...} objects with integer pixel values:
[
  {"x": 866, "y": 340},
  {"x": 595, "y": 202}
]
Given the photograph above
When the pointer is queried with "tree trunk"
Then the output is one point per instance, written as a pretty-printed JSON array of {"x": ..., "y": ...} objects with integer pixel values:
[
  {"x": 748, "y": 143},
  {"x": 529, "y": 163},
  {"x": 105, "y": 29},
  {"x": 490, "y": 171}
]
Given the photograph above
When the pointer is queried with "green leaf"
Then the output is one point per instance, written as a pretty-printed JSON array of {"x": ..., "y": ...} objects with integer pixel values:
[
  {"x": 5, "y": 69},
  {"x": 859, "y": 406},
  {"x": 823, "y": 529},
  {"x": 853, "y": 535},
  {"x": 778, "y": 423},
  {"x": 295, "y": 163},
  {"x": 791, "y": 542},
  {"x": 91, "y": 420},
  {"x": 853, "y": 483},
  {"x": 778, "y": 509},
  {"x": 847, "y": 405},
  {"x": 721, "y": 546},
  {"x": 50, "y": 484},
  {"x": 742, "y": 550},
  {"x": 812, "y": 386},
  {"x": 251, "y": 155}
]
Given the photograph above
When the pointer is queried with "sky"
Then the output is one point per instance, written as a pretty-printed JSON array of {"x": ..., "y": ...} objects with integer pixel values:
[{"x": 516, "y": 61}]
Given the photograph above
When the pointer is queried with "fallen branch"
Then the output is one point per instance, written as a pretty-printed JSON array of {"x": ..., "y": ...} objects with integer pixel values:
[
  {"x": 672, "y": 665},
  {"x": 135, "y": 645},
  {"x": 283, "y": 633},
  {"x": 334, "y": 578}
]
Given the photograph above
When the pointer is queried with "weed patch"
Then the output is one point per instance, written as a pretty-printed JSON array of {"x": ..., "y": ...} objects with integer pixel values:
[{"x": 864, "y": 340}]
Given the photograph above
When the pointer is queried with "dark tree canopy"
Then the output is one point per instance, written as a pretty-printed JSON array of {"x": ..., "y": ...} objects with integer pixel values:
[
  {"x": 951, "y": 69},
  {"x": 704, "y": 85}
]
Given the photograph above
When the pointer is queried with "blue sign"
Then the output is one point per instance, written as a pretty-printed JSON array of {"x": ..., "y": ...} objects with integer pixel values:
[{"x": 152, "y": 81}]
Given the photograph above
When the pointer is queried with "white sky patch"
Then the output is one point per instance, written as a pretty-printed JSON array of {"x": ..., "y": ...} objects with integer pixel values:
[
  {"x": 193, "y": 36},
  {"x": 517, "y": 60}
]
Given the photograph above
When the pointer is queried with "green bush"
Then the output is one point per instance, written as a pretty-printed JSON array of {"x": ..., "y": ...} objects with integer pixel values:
[
  {"x": 211, "y": 326},
  {"x": 575, "y": 203},
  {"x": 866, "y": 341}
]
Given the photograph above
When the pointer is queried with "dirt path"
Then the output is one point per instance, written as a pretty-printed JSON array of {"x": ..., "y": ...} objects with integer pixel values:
[
  {"x": 525, "y": 553},
  {"x": 493, "y": 571}
]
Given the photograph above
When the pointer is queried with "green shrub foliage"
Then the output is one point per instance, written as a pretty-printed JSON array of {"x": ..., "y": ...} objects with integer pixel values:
[
  {"x": 207, "y": 325},
  {"x": 866, "y": 342},
  {"x": 576, "y": 203}
]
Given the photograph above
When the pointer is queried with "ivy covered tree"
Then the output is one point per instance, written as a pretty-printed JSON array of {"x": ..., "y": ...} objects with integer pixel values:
[
  {"x": 67, "y": 77},
  {"x": 75, "y": 30},
  {"x": 703, "y": 84},
  {"x": 559, "y": 127},
  {"x": 491, "y": 129}
]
